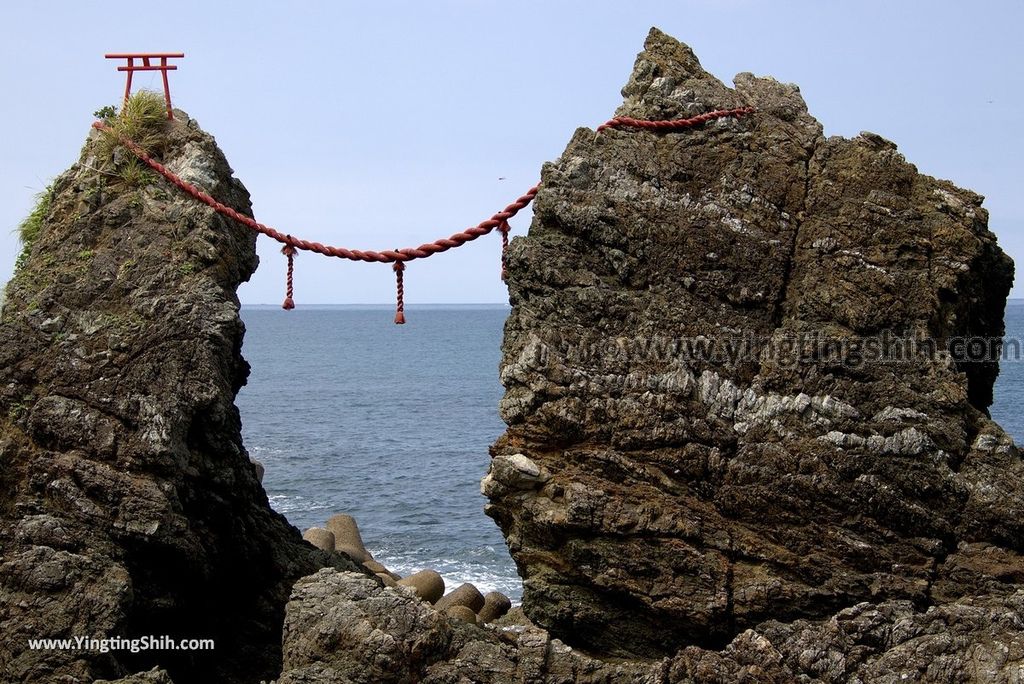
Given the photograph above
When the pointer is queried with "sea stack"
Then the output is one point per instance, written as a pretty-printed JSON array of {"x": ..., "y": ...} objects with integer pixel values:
[
  {"x": 688, "y": 360},
  {"x": 129, "y": 506}
]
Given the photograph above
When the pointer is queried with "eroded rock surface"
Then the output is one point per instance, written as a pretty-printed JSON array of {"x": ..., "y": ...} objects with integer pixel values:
[
  {"x": 128, "y": 505},
  {"x": 685, "y": 457},
  {"x": 343, "y": 628}
]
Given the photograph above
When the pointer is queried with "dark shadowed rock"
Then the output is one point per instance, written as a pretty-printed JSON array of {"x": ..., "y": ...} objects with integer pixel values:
[
  {"x": 688, "y": 454},
  {"x": 128, "y": 505}
]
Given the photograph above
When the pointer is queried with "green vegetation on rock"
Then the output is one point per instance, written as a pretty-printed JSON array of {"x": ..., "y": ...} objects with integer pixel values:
[
  {"x": 28, "y": 230},
  {"x": 143, "y": 120}
]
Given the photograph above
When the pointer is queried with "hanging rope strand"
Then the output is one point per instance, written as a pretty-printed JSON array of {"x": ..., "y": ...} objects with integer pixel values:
[
  {"x": 407, "y": 253},
  {"x": 289, "y": 303},
  {"x": 503, "y": 229},
  {"x": 399, "y": 269}
]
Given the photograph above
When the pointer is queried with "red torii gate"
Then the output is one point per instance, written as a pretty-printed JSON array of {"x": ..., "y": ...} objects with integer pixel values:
[{"x": 163, "y": 67}]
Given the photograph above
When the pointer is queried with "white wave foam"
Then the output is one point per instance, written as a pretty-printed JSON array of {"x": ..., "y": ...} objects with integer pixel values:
[
  {"x": 284, "y": 503},
  {"x": 481, "y": 575}
]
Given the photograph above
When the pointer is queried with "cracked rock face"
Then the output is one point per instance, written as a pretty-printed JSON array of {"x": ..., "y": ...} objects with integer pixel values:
[
  {"x": 128, "y": 505},
  {"x": 704, "y": 460}
]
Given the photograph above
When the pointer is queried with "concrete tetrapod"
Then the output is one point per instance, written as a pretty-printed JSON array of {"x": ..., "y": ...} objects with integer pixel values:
[
  {"x": 429, "y": 585},
  {"x": 347, "y": 538},
  {"x": 496, "y": 605},
  {"x": 379, "y": 569},
  {"x": 463, "y": 595},
  {"x": 320, "y": 538}
]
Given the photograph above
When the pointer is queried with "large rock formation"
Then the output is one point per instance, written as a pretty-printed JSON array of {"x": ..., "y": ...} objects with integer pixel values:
[
  {"x": 701, "y": 434},
  {"x": 128, "y": 505}
]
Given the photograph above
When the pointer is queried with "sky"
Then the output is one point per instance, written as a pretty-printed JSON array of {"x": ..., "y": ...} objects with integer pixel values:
[{"x": 389, "y": 124}]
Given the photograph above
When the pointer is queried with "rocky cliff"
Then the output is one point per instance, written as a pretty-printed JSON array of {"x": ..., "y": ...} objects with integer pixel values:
[
  {"x": 736, "y": 395},
  {"x": 128, "y": 505}
]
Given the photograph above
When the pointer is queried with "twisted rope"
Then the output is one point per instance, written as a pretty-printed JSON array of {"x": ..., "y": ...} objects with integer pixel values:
[{"x": 386, "y": 256}]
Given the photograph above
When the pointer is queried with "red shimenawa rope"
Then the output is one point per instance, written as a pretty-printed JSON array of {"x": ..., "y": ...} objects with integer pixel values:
[
  {"x": 498, "y": 221},
  {"x": 625, "y": 121},
  {"x": 385, "y": 256}
]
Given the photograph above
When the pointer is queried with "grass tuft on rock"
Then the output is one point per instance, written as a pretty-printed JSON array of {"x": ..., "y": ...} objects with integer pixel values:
[
  {"x": 28, "y": 229},
  {"x": 143, "y": 119}
]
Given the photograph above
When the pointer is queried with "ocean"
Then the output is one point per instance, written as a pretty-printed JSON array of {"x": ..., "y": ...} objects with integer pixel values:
[
  {"x": 1009, "y": 391},
  {"x": 390, "y": 424},
  {"x": 350, "y": 413}
]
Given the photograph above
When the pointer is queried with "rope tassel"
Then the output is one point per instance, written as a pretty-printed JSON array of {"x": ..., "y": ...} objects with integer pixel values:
[
  {"x": 289, "y": 251},
  {"x": 503, "y": 228},
  {"x": 399, "y": 269}
]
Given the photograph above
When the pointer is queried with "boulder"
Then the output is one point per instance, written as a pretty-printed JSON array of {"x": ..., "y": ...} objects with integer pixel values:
[{"x": 343, "y": 627}]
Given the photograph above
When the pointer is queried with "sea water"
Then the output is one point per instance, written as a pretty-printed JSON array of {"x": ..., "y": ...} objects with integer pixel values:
[
  {"x": 1009, "y": 390},
  {"x": 351, "y": 413}
]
